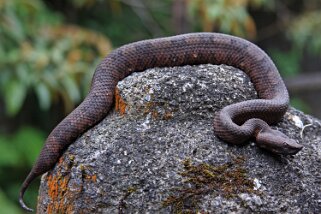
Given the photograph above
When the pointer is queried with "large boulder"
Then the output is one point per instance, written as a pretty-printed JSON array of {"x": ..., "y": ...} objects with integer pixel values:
[{"x": 156, "y": 153}]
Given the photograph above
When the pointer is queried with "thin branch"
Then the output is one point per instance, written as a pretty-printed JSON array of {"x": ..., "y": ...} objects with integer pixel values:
[{"x": 305, "y": 82}]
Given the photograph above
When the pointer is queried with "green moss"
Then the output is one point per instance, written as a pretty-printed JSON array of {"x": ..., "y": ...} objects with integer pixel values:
[
  {"x": 198, "y": 180},
  {"x": 122, "y": 204}
]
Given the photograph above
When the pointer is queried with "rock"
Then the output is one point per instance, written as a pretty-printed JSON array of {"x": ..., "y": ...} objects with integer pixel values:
[{"x": 157, "y": 153}]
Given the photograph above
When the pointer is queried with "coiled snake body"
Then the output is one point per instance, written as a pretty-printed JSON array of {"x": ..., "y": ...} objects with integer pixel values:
[{"x": 235, "y": 123}]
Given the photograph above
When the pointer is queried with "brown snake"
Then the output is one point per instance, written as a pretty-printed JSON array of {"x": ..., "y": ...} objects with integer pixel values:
[{"x": 235, "y": 123}]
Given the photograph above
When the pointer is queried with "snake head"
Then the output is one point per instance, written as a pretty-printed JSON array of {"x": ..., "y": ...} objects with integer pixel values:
[{"x": 277, "y": 142}]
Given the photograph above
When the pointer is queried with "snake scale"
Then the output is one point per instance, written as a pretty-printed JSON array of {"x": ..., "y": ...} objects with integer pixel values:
[{"x": 235, "y": 123}]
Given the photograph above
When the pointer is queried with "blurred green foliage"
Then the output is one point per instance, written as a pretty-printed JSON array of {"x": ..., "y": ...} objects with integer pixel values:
[
  {"x": 305, "y": 31},
  {"x": 50, "y": 52},
  {"x": 229, "y": 16},
  {"x": 18, "y": 153},
  {"x": 42, "y": 56},
  {"x": 21, "y": 148},
  {"x": 39, "y": 55},
  {"x": 288, "y": 61},
  {"x": 7, "y": 205},
  {"x": 299, "y": 104}
]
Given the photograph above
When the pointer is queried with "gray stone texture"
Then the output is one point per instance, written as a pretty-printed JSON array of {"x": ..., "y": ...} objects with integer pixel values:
[{"x": 131, "y": 161}]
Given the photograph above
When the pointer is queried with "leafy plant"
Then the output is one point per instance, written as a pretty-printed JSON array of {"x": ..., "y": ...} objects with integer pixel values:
[
  {"x": 288, "y": 62},
  {"x": 7, "y": 206},
  {"x": 305, "y": 31},
  {"x": 40, "y": 55},
  {"x": 18, "y": 152},
  {"x": 227, "y": 15}
]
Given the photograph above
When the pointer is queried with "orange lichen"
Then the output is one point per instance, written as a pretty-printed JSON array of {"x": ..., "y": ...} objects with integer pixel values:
[
  {"x": 62, "y": 199},
  {"x": 152, "y": 108},
  {"x": 58, "y": 190},
  {"x": 60, "y": 161},
  {"x": 52, "y": 187},
  {"x": 91, "y": 177},
  {"x": 120, "y": 104},
  {"x": 168, "y": 115}
]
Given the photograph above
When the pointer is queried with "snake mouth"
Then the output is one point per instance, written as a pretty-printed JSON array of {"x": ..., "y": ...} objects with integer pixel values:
[
  {"x": 292, "y": 148},
  {"x": 277, "y": 142},
  {"x": 289, "y": 147}
]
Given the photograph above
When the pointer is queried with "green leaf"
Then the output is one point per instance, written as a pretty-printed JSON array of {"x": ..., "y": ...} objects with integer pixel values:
[
  {"x": 287, "y": 62},
  {"x": 7, "y": 205},
  {"x": 14, "y": 94},
  {"x": 9, "y": 155},
  {"x": 28, "y": 142},
  {"x": 300, "y": 104},
  {"x": 22, "y": 145},
  {"x": 14, "y": 25},
  {"x": 43, "y": 95},
  {"x": 13, "y": 56},
  {"x": 72, "y": 89},
  {"x": 214, "y": 11},
  {"x": 50, "y": 78}
]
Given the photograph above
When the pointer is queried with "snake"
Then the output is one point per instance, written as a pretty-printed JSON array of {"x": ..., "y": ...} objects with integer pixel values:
[{"x": 235, "y": 123}]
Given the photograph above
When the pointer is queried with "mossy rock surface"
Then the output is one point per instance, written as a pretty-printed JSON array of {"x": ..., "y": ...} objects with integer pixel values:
[{"x": 157, "y": 153}]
